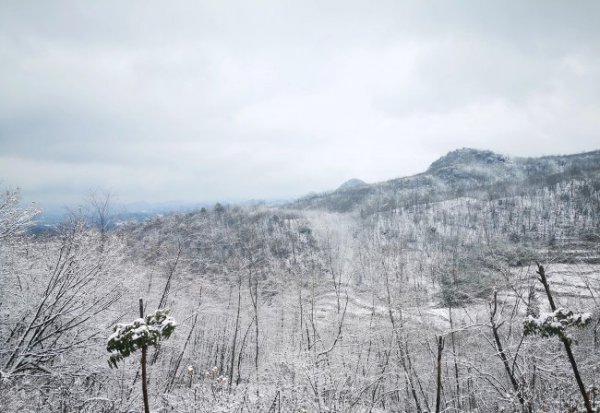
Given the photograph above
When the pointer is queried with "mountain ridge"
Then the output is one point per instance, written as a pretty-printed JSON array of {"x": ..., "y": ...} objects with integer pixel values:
[{"x": 460, "y": 170}]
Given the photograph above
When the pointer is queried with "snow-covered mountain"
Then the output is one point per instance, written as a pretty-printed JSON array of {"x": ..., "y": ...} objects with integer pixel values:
[{"x": 459, "y": 171}]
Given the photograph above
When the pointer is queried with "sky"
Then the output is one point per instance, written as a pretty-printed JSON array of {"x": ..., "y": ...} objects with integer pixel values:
[{"x": 228, "y": 100}]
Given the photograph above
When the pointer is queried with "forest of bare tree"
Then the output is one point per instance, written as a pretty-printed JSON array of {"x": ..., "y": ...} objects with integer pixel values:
[{"x": 463, "y": 290}]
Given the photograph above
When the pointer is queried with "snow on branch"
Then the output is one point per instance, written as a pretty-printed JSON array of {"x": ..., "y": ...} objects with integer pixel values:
[
  {"x": 130, "y": 337},
  {"x": 555, "y": 323}
]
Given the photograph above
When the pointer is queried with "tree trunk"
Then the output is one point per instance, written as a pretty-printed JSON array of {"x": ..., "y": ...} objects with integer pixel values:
[
  {"x": 144, "y": 382},
  {"x": 438, "y": 392},
  {"x": 235, "y": 333},
  {"x": 586, "y": 399}
]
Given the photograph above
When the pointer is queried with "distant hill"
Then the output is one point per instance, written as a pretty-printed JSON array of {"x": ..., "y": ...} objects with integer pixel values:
[
  {"x": 351, "y": 183},
  {"x": 472, "y": 171}
]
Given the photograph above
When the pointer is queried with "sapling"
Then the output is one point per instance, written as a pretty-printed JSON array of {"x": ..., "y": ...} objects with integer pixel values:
[
  {"x": 138, "y": 335},
  {"x": 555, "y": 324}
]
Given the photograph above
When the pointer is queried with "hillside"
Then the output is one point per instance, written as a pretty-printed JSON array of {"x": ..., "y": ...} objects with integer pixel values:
[
  {"x": 331, "y": 303},
  {"x": 460, "y": 171}
]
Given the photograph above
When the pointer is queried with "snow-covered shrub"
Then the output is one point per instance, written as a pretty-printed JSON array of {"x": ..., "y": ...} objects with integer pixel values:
[
  {"x": 555, "y": 323},
  {"x": 130, "y": 337}
]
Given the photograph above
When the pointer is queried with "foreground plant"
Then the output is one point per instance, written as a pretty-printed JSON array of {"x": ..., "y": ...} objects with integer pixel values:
[
  {"x": 138, "y": 335},
  {"x": 555, "y": 324}
]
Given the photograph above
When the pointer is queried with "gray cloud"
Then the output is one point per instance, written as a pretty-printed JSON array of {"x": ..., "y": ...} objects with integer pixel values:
[{"x": 212, "y": 100}]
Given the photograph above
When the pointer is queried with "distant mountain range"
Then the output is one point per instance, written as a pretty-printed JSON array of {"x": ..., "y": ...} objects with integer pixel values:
[
  {"x": 459, "y": 171},
  {"x": 463, "y": 171}
]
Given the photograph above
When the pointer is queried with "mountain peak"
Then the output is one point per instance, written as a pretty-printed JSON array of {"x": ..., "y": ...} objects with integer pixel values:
[
  {"x": 466, "y": 156},
  {"x": 351, "y": 183}
]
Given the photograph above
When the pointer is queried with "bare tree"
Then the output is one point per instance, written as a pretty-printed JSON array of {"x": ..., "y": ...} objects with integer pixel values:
[
  {"x": 554, "y": 325},
  {"x": 13, "y": 219},
  {"x": 59, "y": 306}
]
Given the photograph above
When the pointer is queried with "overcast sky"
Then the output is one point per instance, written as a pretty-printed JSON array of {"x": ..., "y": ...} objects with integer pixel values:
[{"x": 209, "y": 100}]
